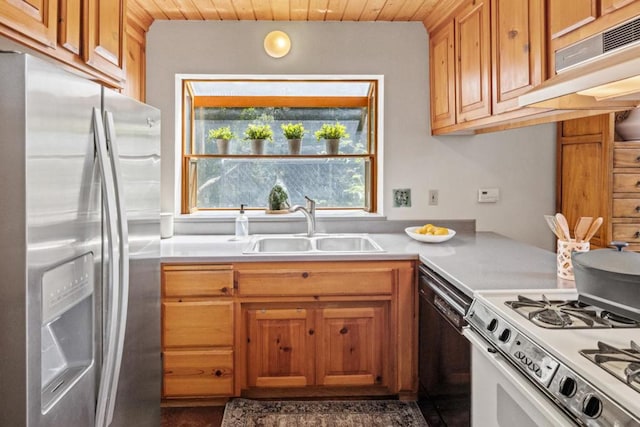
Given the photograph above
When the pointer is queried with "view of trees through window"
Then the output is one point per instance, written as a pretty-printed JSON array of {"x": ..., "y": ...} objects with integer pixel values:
[{"x": 239, "y": 175}]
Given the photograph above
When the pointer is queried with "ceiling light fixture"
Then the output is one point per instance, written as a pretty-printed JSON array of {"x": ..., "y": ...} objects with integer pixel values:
[{"x": 277, "y": 44}]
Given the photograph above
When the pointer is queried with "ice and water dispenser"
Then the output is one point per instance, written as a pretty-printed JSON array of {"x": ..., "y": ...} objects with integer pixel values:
[{"x": 68, "y": 333}]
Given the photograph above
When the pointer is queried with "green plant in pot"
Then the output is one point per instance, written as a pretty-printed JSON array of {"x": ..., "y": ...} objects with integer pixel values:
[
  {"x": 258, "y": 134},
  {"x": 221, "y": 136},
  {"x": 278, "y": 200},
  {"x": 332, "y": 133},
  {"x": 293, "y": 133}
]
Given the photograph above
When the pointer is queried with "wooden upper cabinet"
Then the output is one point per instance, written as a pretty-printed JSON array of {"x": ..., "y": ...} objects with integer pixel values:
[
  {"x": 472, "y": 47},
  {"x": 442, "y": 77},
  {"x": 607, "y": 6},
  {"x": 517, "y": 50},
  {"x": 70, "y": 26},
  {"x": 35, "y": 19},
  {"x": 565, "y": 16},
  {"x": 105, "y": 36}
]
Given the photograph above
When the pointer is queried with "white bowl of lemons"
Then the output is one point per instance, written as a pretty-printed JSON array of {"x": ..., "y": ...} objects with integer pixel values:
[{"x": 430, "y": 233}]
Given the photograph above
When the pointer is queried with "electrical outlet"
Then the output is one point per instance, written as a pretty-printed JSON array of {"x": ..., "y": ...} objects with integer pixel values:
[
  {"x": 433, "y": 197},
  {"x": 401, "y": 198}
]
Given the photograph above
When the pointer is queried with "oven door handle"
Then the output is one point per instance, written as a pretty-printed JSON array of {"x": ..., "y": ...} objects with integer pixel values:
[{"x": 536, "y": 397}]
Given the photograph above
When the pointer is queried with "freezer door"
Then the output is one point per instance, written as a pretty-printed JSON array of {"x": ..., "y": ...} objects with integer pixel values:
[
  {"x": 50, "y": 256},
  {"x": 137, "y": 134}
]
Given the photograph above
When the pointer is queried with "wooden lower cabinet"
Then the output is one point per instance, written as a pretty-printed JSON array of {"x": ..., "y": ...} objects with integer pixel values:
[
  {"x": 280, "y": 347},
  {"x": 198, "y": 373},
  {"x": 289, "y": 329},
  {"x": 349, "y": 346}
]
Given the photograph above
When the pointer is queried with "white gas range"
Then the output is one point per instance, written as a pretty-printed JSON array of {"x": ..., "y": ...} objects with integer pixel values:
[{"x": 534, "y": 360}]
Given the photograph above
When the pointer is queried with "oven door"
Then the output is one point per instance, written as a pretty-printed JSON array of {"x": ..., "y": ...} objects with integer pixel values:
[{"x": 502, "y": 396}]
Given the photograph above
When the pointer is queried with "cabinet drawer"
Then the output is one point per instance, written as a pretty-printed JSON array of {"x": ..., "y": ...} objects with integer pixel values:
[
  {"x": 197, "y": 323},
  {"x": 626, "y": 158},
  {"x": 626, "y": 183},
  {"x": 178, "y": 282},
  {"x": 316, "y": 281},
  {"x": 197, "y": 373},
  {"x": 626, "y": 232},
  {"x": 629, "y": 208}
]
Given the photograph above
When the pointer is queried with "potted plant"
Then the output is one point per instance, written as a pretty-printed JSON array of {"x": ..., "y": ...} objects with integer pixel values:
[
  {"x": 222, "y": 136},
  {"x": 258, "y": 134},
  {"x": 294, "y": 134},
  {"x": 332, "y": 133}
]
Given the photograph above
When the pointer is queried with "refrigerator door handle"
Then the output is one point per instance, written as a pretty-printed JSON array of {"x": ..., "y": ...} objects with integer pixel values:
[
  {"x": 123, "y": 229},
  {"x": 104, "y": 404}
]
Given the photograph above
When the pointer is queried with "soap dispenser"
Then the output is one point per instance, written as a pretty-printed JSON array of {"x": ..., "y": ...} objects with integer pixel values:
[{"x": 242, "y": 224}]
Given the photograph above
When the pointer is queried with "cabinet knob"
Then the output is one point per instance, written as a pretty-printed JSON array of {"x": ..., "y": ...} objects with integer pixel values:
[
  {"x": 224, "y": 290},
  {"x": 218, "y": 373},
  {"x": 513, "y": 34},
  {"x": 637, "y": 235},
  {"x": 637, "y": 183},
  {"x": 638, "y": 209},
  {"x": 311, "y": 332},
  {"x": 344, "y": 330},
  {"x": 305, "y": 274},
  {"x": 638, "y": 159}
]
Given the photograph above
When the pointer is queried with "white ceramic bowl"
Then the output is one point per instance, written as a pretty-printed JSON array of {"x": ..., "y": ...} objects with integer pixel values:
[{"x": 429, "y": 238}]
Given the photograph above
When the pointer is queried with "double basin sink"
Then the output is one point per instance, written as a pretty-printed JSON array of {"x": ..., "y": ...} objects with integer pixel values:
[{"x": 327, "y": 244}]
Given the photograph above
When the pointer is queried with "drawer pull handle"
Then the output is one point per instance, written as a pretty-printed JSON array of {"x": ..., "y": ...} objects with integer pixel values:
[
  {"x": 637, "y": 183},
  {"x": 224, "y": 290},
  {"x": 218, "y": 373},
  {"x": 305, "y": 274},
  {"x": 637, "y": 235},
  {"x": 638, "y": 209}
]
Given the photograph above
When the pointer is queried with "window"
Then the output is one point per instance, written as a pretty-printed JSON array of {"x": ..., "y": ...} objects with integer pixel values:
[{"x": 215, "y": 178}]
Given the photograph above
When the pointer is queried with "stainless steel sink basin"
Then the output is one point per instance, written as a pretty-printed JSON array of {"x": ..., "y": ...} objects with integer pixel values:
[
  {"x": 281, "y": 244},
  {"x": 351, "y": 243}
]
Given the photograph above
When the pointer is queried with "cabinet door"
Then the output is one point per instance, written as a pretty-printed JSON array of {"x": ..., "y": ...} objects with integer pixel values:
[
  {"x": 566, "y": 16},
  {"x": 442, "y": 77},
  {"x": 70, "y": 26},
  {"x": 472, "y": 47},
  {"x": 583, "y": 174},
  {"x": 517, "y": 50},
  {"x": 280, "y": 349},
  {"x": 197, "y": 323},
  {"x": 197, "y": 373},
  {"x": 607, "y": 6},
  {"x": 350, "y": 346},
  {"x": 135, "y": 64},
  {"x": 35, "y": 19},
  {"x": 105, "y": 35}
]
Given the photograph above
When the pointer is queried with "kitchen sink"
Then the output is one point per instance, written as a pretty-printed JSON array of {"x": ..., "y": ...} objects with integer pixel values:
[{"x": 336, "y": 243}]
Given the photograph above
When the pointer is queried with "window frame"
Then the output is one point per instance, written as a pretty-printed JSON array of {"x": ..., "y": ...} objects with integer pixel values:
[{"x": 187, "y": 196}]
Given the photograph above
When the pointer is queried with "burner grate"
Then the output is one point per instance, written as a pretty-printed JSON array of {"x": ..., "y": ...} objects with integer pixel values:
[
  {"x": 624, "y": 364},
  {"x": 567, "y": 314}
]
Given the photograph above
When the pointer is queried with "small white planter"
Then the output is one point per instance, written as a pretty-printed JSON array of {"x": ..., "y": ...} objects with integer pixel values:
[
  {"x": 223, "y": 146},
  {"x": 294, "y": 146},
  {"x": 257, "y": 146}
]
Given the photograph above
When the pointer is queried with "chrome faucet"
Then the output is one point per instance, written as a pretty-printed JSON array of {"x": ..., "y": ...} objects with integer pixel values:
[{"x": 309, "y": 213}]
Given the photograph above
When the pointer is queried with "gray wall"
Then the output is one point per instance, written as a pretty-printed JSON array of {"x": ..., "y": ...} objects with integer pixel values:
[{"x": 521, "y": 163}]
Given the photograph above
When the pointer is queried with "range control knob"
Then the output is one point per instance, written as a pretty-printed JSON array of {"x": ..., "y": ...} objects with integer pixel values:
[
  {"x": 592, "y": 406},
  {"x": 493, "y": 325},
  {"x": 568, "y": 386},
  {"x": 505, "y": 335}
]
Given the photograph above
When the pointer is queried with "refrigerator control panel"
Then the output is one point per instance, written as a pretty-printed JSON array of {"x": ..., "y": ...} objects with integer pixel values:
[{"x": 66, "y": 285}]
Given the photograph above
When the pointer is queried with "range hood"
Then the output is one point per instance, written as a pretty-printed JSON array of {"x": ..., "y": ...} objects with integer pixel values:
[{"x": 599, "y": 73}]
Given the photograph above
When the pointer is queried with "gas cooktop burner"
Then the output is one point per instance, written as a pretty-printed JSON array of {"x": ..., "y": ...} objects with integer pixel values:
[
  {"x": 623, "y": 364},
  {"x": 568, "y": 314}
]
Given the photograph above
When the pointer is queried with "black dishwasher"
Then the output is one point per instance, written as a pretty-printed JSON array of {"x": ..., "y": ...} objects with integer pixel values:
[{"x": 444, "y": 359}]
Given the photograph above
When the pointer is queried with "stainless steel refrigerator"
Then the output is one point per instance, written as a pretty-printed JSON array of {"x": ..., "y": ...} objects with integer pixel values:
[{"x": 79, "y": 251}]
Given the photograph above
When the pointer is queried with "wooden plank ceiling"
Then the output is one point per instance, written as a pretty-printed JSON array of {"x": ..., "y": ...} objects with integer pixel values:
[{"x": 144, "y": 12}]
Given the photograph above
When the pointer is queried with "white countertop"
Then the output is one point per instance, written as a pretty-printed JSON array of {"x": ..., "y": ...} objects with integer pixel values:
[{"x": 470, "y": 261}]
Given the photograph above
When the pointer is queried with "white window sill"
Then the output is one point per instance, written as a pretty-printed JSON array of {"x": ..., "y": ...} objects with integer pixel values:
[{"x": 262, "y": 216}]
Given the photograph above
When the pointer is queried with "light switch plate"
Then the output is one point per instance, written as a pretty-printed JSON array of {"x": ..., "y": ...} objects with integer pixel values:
[{"x": 401, "y": 197}]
